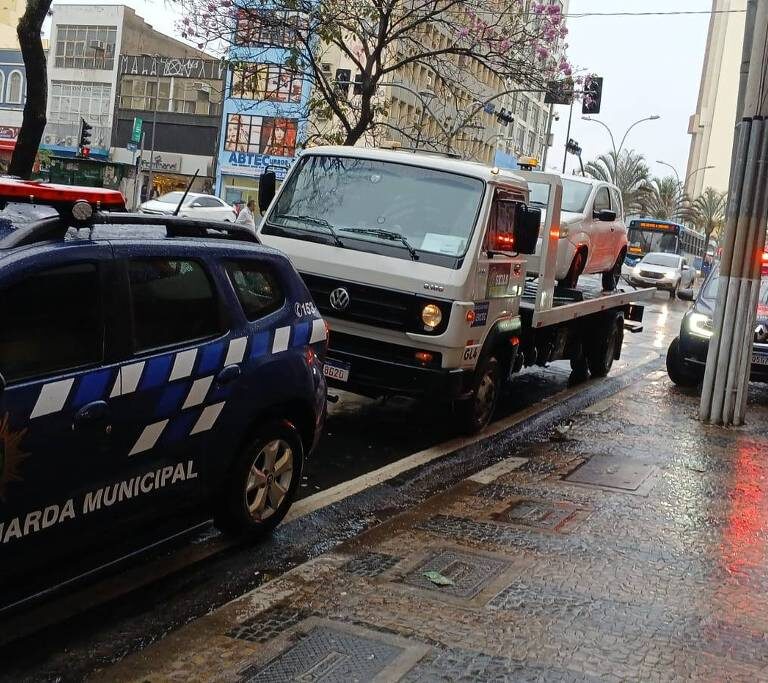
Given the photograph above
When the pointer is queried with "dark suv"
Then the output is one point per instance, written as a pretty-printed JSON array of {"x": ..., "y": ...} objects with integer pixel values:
[
  {"x": 157, "y": 370},
  {"x": 687, "y": 354}
]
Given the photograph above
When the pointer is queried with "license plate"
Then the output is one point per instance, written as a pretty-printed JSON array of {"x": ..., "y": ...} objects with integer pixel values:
[
  {"x": 759, "y": 359},
  {"x": 335, "y": 369}
]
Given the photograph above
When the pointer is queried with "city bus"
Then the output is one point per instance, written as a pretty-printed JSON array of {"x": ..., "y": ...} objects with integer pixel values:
[{"x": 648, "y": 235}]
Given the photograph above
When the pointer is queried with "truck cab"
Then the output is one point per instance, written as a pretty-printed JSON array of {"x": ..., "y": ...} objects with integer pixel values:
[{"x": 417, "y": 263}]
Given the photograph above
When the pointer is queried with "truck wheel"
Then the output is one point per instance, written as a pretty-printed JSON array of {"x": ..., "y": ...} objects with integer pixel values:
[
  {"x": 600, "y": 356},
  {"x": 677, "y": 370},
  {"x": 578, "y": 264},
  {"x": 611, "y": 278},
  {"x": 262, "y": 482},
  {"x": 475, "y": 412}
]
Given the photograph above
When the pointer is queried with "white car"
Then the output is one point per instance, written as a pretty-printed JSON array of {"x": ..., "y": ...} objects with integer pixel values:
[
  {"x": 196, "y": 205},
  {"x": 663, "y": 271},
  {"x": 593, "y": 236}
]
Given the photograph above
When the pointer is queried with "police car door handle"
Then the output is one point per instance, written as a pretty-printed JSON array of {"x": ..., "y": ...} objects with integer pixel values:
[
  {"x": 90, "y": 413},
  {"x": 228, "y": 374}
]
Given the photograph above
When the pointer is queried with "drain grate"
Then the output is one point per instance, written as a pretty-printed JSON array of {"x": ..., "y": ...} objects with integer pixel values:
[
  {"x": 539, "y": 514},
  {"x": 268, "y": 624},
  {"x": 370, "y": 564},
  {"x": 470, "y": 572},
  {"x": 615, "y": 472},
  {"x": 328, "y": 654}
]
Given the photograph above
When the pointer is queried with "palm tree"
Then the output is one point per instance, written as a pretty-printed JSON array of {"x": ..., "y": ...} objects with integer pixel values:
[
  {"x": 708, "y": 212},
  {"x": 628, "y": 171},
  {"x": 666, "y": 200}
]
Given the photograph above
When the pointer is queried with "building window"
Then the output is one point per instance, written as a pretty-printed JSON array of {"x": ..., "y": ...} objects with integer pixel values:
[
  {"x": 15, "y": 89},
  {"x": 181, "y": 95},
  {"x": 2, "y": 86},
  {"x": 268, "y": 29},
  {"x": 85, "y": 47},
  {"x": 69, "y": 102},
  {"x": 531, "y": 143},
  {"x": 270, "y": 82},
  {"x": 261, "y": 135}
]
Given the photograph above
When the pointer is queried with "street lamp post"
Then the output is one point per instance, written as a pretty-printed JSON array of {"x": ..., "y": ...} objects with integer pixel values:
[
  {"x": 617, "y": 152},
  {"x": 154, "y": 125},
  {"x": 684, "y": 184}
]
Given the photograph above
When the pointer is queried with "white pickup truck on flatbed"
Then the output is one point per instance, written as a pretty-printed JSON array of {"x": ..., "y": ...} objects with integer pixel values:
[{"x": 418, "y": 263}]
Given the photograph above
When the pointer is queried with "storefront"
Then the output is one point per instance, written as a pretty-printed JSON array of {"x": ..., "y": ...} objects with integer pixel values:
[{"x": 240, "y": 173}]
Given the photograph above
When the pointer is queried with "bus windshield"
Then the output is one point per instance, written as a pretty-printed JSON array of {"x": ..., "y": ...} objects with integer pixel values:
[
  {"x": 378, "y": 201},
  {"x": 644, "y": 241}
]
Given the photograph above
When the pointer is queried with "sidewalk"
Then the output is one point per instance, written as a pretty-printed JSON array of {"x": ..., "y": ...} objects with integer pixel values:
[{"x": 629, "y": 545}]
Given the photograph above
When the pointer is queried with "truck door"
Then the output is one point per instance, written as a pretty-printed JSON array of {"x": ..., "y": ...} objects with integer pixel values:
[
  {"x": 54, "y": 414},
  {"x": 603, "y": 233}
]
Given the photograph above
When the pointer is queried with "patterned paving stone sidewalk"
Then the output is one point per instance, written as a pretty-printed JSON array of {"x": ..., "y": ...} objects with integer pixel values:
[{"x": 630, "y": 545}]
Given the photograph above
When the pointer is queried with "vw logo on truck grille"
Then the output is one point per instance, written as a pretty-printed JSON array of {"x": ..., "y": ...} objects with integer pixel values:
[{"x": 340, "y": 299}]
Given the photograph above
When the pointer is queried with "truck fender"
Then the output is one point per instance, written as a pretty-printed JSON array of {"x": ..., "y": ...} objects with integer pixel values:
[{"x": 502, "y": 340}]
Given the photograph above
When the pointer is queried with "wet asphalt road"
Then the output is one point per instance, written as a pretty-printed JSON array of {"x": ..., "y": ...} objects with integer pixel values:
[{"x": 362, "y": 435}]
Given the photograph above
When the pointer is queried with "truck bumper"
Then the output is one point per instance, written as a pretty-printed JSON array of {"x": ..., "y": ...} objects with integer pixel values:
[{"x": 376, "y": 375}]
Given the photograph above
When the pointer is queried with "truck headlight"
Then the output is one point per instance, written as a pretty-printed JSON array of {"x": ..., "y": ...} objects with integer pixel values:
[
  {"x": 431, "y": 316},
  {"x": 700, "y": 325}
]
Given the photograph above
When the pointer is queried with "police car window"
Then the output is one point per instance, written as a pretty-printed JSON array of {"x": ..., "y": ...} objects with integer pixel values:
[
  {"x": 173, "y": 302},
  {"x": 256, "y": 287},
  {"x": 51, "y": 323}
]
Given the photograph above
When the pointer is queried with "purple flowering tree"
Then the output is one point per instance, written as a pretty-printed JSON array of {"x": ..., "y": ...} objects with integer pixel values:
[{"x": 457, "y": 57}]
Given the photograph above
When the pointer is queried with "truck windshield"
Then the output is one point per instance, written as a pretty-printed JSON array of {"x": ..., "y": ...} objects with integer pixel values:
[
  {"x": 575, "y": 195},
  {"x": 368, "y": 200}
]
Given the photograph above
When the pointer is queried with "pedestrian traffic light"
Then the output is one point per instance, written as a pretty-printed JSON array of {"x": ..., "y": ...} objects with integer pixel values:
[
  {"x": 85, "y": 138},
  {"x": 593, "y": 93}
]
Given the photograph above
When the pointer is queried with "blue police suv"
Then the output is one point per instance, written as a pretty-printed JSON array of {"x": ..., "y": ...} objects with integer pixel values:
[{"x": 152, "y": 370}]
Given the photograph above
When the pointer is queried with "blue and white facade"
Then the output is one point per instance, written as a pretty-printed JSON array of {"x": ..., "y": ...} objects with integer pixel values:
[{"x": 263, "y": 118}]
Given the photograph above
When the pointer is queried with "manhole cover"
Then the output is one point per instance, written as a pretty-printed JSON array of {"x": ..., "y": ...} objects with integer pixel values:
[
  {"x": 626, "y": 474},
  {"x": 370, "y": 564},
  {"x": 539, "y": 514},
  {"x": 328, "y": 654},
  {"x": 469, "y": 572}
]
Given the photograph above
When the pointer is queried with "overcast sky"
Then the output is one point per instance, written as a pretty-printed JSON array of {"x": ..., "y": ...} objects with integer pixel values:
[{"x": 651, "y": 65}]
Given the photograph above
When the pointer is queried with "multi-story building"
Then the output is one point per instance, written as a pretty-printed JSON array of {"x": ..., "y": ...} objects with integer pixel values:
[
  {"x": 84, "y": 69},
  {"x": 264, "y": 109},
  {"x": 13, "y": 81},
  {"x": 176, "y": 103},
  {"x": 712, "y": 126}
]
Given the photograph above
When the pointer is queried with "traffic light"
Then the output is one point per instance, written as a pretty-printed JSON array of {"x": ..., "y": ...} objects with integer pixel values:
[
  {"x": 84, "y": 145},
  {"x": 593, "y": 93},
  {"x": 573, "y": 147},
  {"x": 559, "y": 92}
]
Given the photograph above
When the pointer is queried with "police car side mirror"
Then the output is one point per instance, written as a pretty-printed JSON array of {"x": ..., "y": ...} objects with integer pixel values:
[
  {"x": 685, "y": 294},
  {"x": 526, "y": 230},
  {"x": 605, "y": 215}
]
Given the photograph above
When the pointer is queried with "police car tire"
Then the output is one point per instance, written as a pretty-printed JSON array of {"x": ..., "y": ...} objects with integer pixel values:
[{"x": 232, "y": 515}]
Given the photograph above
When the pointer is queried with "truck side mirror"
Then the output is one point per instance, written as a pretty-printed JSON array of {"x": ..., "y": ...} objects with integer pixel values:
[
  {"x": 267, "y": 189},
  {"x": 605, "y": 215},
  {"x": 526, "y": 230},
  {"x": 2, "y": 383}
]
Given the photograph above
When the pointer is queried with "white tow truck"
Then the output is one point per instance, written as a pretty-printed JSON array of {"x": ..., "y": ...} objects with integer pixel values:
[{"x": 418, "y": 263}]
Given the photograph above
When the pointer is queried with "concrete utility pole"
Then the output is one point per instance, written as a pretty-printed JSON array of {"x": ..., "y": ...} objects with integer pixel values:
[{"x": 726, "y": 379}]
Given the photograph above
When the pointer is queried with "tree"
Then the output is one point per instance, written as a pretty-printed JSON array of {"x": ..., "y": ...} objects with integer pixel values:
[
  {"x": 472, "y": 50},
  {"x": 708, "y": 212},
  {"x": 666, "y": 200},
  {"x": 33, "y": 123},
  {"x": 628, "y": 172}
]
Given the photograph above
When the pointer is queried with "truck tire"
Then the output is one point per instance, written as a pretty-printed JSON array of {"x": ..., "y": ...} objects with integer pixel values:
[
  {"x": 601, "y": 354},
  {"x": 578, "y": 264},
  {"x": 474, "y": 413},
  {"x": 611, "y": 278},
  {"x": 262, "y": 482},
  {"x": 678, "y": 372}
]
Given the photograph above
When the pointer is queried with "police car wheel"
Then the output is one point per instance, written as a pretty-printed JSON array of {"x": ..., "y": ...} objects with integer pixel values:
[
  {"x": 677, "y": 370},
  {"x": 263, "y": 481},
  {"x": 475, "y": 412}
]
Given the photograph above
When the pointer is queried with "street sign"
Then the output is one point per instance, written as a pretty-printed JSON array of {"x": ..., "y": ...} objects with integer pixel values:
[
  {"x": 132, "y": 146},
  {"x": 136, "y": 134}
]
